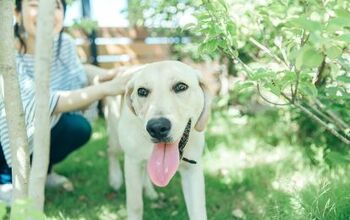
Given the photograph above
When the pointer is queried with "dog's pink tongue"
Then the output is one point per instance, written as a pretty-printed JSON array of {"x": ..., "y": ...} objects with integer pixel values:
[{"x": 163, "y": 163}]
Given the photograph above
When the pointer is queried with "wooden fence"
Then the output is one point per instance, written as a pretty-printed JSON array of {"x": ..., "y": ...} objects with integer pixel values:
[{"x": 122, "y": 46}]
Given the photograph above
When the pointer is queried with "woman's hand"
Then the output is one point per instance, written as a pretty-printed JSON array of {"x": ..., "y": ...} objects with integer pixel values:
[
  {"x": 98, "y": 75},
  {"x": 107, "y": 75},
  {"x": 115, "y": 85}
]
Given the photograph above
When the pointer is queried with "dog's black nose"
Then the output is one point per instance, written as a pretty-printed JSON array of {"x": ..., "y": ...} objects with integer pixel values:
[{"x": 158, "y": 128}]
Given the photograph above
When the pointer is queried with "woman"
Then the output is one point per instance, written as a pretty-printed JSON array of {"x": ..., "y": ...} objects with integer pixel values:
[{"x": 68, "y": 93}]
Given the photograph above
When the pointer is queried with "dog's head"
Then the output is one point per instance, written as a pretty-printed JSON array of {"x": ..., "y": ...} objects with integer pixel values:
[{"x": 171, "y": 100}]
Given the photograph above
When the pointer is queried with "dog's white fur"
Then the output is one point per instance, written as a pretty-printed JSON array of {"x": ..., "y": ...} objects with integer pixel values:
[{"x": 136, "y": 143}]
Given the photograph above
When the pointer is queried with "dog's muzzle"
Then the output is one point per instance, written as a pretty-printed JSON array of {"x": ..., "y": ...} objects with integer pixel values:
[{"x": 159, "y": 130}]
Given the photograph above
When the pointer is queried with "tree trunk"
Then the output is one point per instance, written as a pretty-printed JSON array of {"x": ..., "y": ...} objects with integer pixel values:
[
  {"x": 43, "y": 58},
  {"x": 13, "y": 103}
]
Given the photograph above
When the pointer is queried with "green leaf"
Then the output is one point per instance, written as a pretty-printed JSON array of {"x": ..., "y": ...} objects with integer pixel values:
[
  {"x": 339, "y": 22},
  {"x": 343, "y": 13},
  {"x": 223, "y": 3},
  {"x": 307, "y": 24},
  {"x": 222, "y": 44},
  {"x": 318, "y": 40},
  {"x": 262, "y": 74},
  {"x": 308, "y": 89},
  {"x": 203, "y": 16},
  {"x": 209, "y": 46},
  {"x": 306, "y": 76},
  {"x": 331, "y": 91},
  {"x": 344, "y": 78},
  {"x": 287, "y": 79},
  {"x": 212, "y": 45},
  {"x": 344, "y": 37},
  {"x": 334, "y": 52},
  {"x": 299, "y": 59},
  {"x": 272, "y": 87},
  {"x": 239, "y": 87},
  {"x": 231, "y": 28},
  {"x": 308, "y": 57}
]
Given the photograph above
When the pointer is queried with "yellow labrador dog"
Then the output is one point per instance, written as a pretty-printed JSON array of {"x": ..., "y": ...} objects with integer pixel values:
[{"x": 160, "y": 129}]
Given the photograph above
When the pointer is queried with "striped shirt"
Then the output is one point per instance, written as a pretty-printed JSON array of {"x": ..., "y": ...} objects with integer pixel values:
[{"x": 67, "y": 73}]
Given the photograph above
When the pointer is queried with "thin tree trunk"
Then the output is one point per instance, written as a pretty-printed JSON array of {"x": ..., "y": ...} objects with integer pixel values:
[
  {"x": 13, "y": 103},
  {"x": 43, "y": 58}
]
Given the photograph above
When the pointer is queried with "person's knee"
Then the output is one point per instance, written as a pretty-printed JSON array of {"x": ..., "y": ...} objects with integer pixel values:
[
  {"x": 80, "y": 129},
  {"x": 86, "y": 131}
]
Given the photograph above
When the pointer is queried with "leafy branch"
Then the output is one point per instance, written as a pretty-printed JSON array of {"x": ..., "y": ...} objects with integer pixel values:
[{"x": 221, "y": 33}]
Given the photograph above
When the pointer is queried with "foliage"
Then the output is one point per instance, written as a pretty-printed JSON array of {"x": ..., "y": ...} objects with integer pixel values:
[
  {"x": 300, "y": 53},
  {"x": 86, "y": 24},
  {"x": 168, "y": 19}
]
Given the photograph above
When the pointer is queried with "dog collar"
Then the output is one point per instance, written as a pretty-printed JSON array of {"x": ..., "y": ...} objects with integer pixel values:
[{"x": 183, "y": 142}]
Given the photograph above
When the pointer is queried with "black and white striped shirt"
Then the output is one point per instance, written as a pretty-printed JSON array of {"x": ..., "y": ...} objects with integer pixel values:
[{"x": 67, "y": 73}]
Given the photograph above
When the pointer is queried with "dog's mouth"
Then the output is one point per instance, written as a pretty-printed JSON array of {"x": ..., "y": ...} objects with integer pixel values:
[{"x": 165, "y": 159}]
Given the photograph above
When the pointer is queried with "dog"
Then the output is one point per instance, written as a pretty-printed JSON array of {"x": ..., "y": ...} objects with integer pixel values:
[{"x": 160, "y": 129}]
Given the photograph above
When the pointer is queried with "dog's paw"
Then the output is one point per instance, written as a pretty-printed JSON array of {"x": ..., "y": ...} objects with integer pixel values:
[{"x": 116, "y": 181}]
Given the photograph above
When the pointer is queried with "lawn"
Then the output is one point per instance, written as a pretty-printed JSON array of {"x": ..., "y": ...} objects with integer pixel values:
[{"x": 253, "y": 170}]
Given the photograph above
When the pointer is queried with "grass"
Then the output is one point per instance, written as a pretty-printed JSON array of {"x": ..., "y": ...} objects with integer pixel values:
[{"x": 253, "y": 170}]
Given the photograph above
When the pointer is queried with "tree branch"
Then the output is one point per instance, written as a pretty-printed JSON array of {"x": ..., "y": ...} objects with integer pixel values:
[
  {"x": 318, "y": 120},
  {"x": 295, "y": 93},
  {"x": 333, "y": 115},
  {"x": 268, "y": 51},
  {"x": 320, "y": 79},
  {"x": 266, "y": 100}
]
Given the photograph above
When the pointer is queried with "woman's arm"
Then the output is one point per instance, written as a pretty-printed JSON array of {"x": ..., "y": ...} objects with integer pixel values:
[{"x": 80, "y": 98}]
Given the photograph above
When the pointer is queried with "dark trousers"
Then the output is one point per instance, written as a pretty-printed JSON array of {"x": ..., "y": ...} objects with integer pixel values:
[{"x": 70, "y": 133}]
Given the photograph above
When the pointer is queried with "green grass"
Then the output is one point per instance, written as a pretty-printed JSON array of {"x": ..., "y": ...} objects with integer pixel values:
[{"x": 253, "y": 170}]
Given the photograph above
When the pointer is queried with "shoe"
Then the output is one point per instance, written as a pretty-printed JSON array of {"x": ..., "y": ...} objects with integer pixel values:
[
  {"x": 55, "y": 180},
  {"x": 6, "y": 194}
]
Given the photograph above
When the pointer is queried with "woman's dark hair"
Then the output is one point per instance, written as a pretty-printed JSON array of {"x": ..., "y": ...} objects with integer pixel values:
[{"x": 19, "y": 28}]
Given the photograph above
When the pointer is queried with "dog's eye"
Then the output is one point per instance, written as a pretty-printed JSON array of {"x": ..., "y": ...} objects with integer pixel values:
[
  {"x": 180, "y": 87},
  {"x": 142, "y": 92}
]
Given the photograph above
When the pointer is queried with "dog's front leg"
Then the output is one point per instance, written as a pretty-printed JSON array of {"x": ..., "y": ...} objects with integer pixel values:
[
  {"x": 134, "y": 181},
  {"x": 111, "y": 111},
  {"x": 192, "y": 179}
]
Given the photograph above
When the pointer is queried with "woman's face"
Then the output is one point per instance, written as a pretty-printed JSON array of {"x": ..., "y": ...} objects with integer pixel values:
[{"x": 30, "y": 11}]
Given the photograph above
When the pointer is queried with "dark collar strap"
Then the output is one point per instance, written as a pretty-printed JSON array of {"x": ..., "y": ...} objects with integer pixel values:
[
  {"x": 183, "y": 143},
  {"x": 189, "y": 161}
]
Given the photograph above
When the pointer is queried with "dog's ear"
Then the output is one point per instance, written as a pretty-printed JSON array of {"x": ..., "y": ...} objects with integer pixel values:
[
  {"x": 127, "y": 97},
  {"x": 207, "y": 96},
  {"x": 130, "y": 87}
]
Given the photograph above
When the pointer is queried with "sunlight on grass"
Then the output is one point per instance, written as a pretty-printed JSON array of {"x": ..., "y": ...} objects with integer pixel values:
[
  {"x": 105, "y": 213},
  {"x": 225, "y": 157},
  {"x": 97, "y": 135},
  {"x": 295, "y": 181}
]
